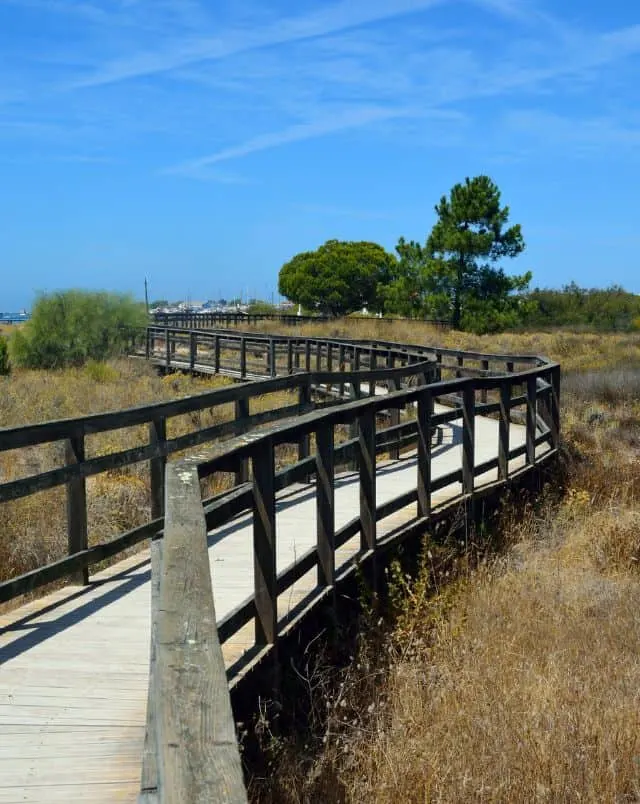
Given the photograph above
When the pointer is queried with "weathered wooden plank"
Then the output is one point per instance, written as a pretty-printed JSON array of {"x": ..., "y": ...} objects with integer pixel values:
[{"x": 198, "y": 758}]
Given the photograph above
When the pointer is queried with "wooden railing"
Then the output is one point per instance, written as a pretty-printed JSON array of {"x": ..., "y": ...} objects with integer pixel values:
[
  {"x": 190, "y": 752},
  {"x": 212, "y": 319},
  {"x": 77, "y": 465},
  {"x": 534, "y": 390}
]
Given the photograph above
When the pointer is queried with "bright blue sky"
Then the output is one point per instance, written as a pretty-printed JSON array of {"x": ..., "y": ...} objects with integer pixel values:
[{"x": 202, "y": 144}]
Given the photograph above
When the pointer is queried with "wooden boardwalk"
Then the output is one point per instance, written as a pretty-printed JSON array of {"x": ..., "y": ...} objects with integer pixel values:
[{"x": 74, "y": 664}]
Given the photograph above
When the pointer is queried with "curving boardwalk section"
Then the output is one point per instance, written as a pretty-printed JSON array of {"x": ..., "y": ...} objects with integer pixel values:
[{"x": 75, "y": 663}]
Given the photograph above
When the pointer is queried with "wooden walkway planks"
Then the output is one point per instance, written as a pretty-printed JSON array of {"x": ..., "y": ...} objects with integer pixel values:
[{"x": 73, "y": 680}]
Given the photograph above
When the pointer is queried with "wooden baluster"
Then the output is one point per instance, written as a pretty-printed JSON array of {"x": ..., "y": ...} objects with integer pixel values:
[
  {"x": 319, "y": 356},
  {"x": 242, "y": 413},
  {"x": 503, "y": 430},
  {"x": 394, "y": 413},
  {"x": 289, "y": 356},
  {"x": 341, "y": 367},
  {"x": 532, "y": 387},
  {"x": 243, "y": 358},
  {"x": 304, "y": 442},
  {"x": 483, "y": 393},
  {"x": 167, "y": 350},
  {"x": 76, "y": 505},
  {"x": 468, "y": 438},
  {"x": 460, "y": 362},
  {"x": 325, "y": 508},
  {"x": 264, "y": 544},
  {"x": 367, "y": 469},
  {"x": 425, "y": 411},
  {"x": 193, "y": 350},
  {"x": 147, "y": 346},
  {"x": 157, "y": 465},
  {"x": 554, "y": 407},
  {"x": 272, "y": 357},
  {"x": 372, "y": 365},
  {"x": 307, "y": 355},
  {"x": 216, "y": 353}
]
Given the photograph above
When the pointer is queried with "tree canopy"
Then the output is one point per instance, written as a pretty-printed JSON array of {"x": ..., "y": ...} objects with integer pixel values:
[
  {"x": 337, "y": 278},
  {"x": 466, "y": 242},
  {"x": 70, "y": 327}
]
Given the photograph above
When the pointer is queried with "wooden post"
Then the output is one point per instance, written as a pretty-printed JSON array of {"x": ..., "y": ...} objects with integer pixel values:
[
  {"x": 425, "y": 411},
  {"x": 394, "y": 419},
  {"x": 372, "y": 366},
  {"x": 242, "y": 413},
  {"x": 216, "y": 353},
  {"x": 319, "y": 356},
  {"x": 243, "y": 358},
  {"x": 297, "y": 355},
  {"x": 289, "y": 356},
  {"x": 307, "y": 355},
  {"x": 273, "y": 357},
  {"x": 193, "y": 349},
  {"x": 341, "y": 367},
  {"x": 157, "y": 466},
  {"x": 367, "y": 467},
  {"x": 460, "y": 362},
  {"x": 483, "y": 393},
  {"x": 503, "y": 430},
  {"x": 325, "y": 509},
  {"x": 304, "y": 443},
  {"x": 264, "y": 544},
  {"x": 509, "y": 366},
  {"x": 468, "y": 437},
  {"x": 76, "y": 506},
  {"x": 329, "y": 357},
  {"x": 167, "y": 349},
  {"x": 554, "y": 406},
  {"x": 147, "y": 346},
  {"x": 532, "y": 389}
]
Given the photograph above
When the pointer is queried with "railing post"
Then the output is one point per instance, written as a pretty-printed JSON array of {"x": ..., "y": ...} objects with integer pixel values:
[
  {"x": 193, "y": 349},
  {"x": 264, "y": 544},
  {"x": 157, "y": 466},
  {"x": 304, "y": 443},
  {"x": 468, "y": 437},
  {"x": 216, "y": 353},
  {"x": 242, "y": 413},
  {"x": 167, "y": 349},
  {"x": 460, "y": 362},
  {"x": 243, "y": 358},
  {"x": 325, "y": 509},
  {"x": 289, "y": 356},
  {"x": 425, "y": 411},
  {"x": 341, "y": 367},
  {"x": 296, "y": 356},
  {"x": 319, "y": 356},
  {"x": 272, "y": 357},
  {"x": 307, "y": 355},
  {"x": 367, "y": 469},
  {"x": 483, "y": 393},
  {"x": 554, "y": 411},
  {"x": 147, "y": 345},
  {"x": 76, "y": 506},
  {"x": 503, "y": 430},
  {"x": 532, "y": 390}
]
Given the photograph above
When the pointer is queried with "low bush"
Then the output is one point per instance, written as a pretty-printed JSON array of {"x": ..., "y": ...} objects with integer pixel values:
[{"x": 71, "y": 327}]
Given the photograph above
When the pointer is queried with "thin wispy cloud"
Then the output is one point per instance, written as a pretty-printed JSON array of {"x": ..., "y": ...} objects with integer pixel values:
[{"x": 321, "y": 22}]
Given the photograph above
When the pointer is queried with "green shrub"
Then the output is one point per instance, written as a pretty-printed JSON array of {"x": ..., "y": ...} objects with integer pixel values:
[
  {"x": 5, "y": 366},
  {"x": 69, "y": 328}
]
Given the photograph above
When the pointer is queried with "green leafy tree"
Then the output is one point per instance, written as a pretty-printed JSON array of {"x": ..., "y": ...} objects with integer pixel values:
[
  {"x": 69, "y": 328},
  {"x": 404, "y": 293},
  {"x": 338, "y": 278},
  {"x": 461, "y": 279}
]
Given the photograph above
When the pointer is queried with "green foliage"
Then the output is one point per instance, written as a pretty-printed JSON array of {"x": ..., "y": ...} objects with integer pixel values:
[
  {"x": 258, "y": 307},
  {"x": 467, "y": 240},
  {"x": 337, "y": 278},
  {"x": 611, "y": 308},
  {"x": 5, "y": 366},
  {"x": 404, "y": 293},
  {"x": 70, "y": 327}
]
